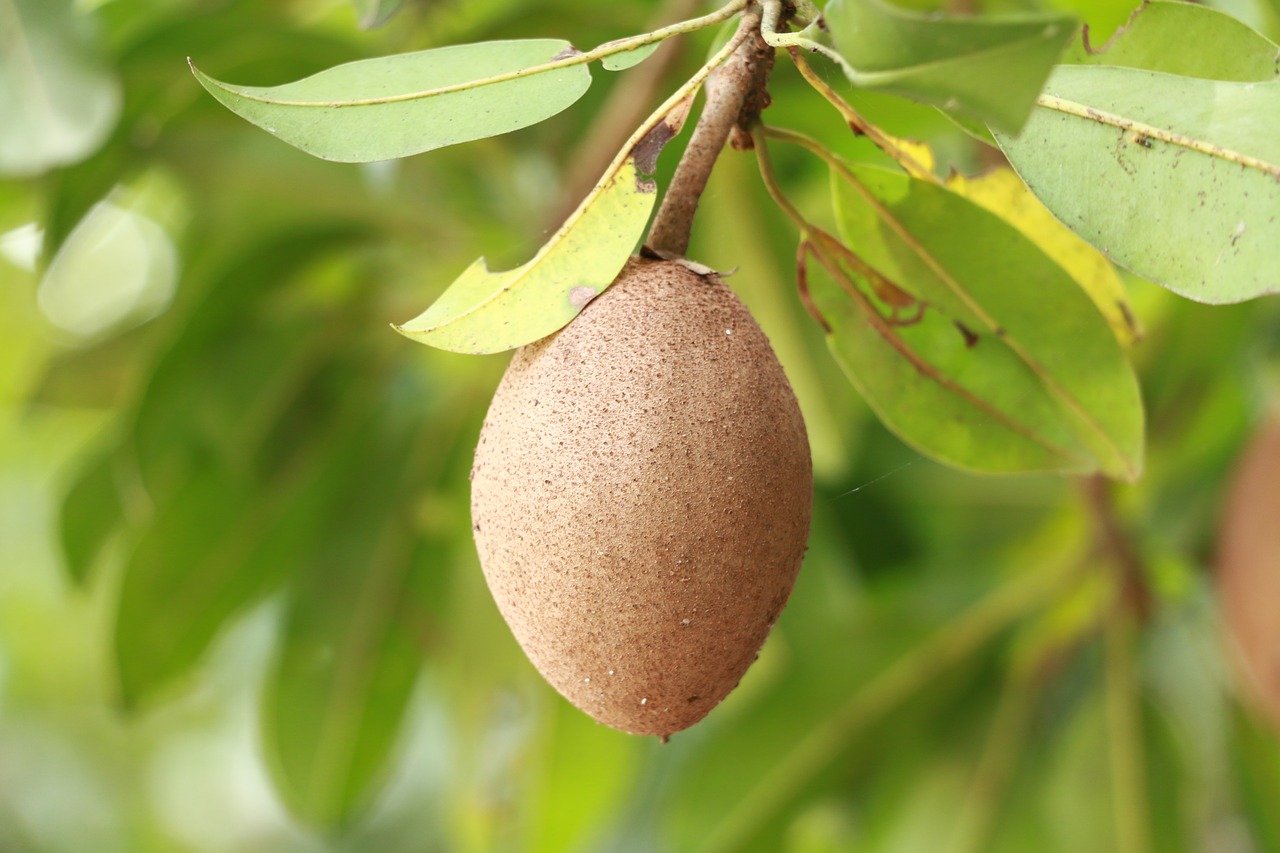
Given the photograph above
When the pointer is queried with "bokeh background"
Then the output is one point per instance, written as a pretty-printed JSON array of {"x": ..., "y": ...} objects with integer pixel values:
[{"x": 239, "y": 605}]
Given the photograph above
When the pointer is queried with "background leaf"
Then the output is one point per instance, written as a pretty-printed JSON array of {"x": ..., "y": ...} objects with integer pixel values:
[
  {"x": 990, "y": 69},
  {"x": 1187, "y": 39},
  {"x": 394, "y": 106},
  {"x": 1019, "y": 336},
  {"x": 58, "y": 99},
  {"x": 91, "y": 511},
  {"x": 357, "y": 622},
  {"x": 375, "y": 13},
  {"x": 231, "y": 500},
  {"x": 1186, "y": 175}
]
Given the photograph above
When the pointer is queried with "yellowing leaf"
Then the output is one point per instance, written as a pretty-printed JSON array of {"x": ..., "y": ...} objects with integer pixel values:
[
  {"x": 484, "y": 311},
  {"x": 943, "y": 308},
  {"x": 1003, "y": 193}
]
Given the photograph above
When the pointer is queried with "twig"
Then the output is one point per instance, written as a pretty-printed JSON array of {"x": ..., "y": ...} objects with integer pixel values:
[
  {"x": 1135, "y": 592},
  {"x": 625, "y": 108},
  {"x": 735, "y": 95},
  {"x": 997, "y": 764}
]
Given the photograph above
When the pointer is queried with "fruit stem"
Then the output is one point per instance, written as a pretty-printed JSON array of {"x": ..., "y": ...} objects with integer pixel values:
[
  {"x": 617, "y": 118},
  {"x": 735, "y": 96}
]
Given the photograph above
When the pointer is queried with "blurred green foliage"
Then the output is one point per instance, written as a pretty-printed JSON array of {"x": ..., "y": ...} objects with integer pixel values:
[{"x": 239, "y": 605}]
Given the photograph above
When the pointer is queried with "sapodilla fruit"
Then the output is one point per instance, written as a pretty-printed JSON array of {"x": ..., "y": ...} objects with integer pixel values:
[
  {"x": 641, "y": 498},
  {"x": 1248, "y": 567}
]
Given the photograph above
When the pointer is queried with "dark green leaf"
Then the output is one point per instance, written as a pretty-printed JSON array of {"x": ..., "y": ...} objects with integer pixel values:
[
  {"x": 357, "y": 621},
  {"x": 1175, "y": 178},
  {"x": 990, "y": 69},
  {"x": 208, "y": 393},
  {"x": 91, "y": 511},
  {"x": 220, "y": 544},
  {"x": 236, "y": 504},
  {"x": 190, "y": 571},
  {"x": 394, "y": 106}
]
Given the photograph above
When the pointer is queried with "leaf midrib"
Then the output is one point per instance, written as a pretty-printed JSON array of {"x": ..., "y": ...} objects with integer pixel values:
[{"x": 935, "y": 266}]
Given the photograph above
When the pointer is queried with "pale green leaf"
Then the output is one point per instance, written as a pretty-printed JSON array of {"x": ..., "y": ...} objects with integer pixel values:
[
  {"x": 395, "y": 106},
  {"x": 1187, "y": 39},
  {"x": 990, "y": 69},
  {"x": 58, "y": 101},
  {"x": 1175, "y": 178},
  {"x": 970, "y": 342},
  {"x": 484, "y": 311},
  {"x": 628, "y": 58}
]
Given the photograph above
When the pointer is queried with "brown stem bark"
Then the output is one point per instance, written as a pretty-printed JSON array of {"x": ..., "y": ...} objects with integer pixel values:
[
  {"x": 1136, "y": 595},
  {"x": 735, "y": 95},
  {"x": 626, "y": 107}
]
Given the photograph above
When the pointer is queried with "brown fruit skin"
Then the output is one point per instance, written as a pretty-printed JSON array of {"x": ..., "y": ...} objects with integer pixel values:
[
  {"x": 1248, "y": 567},
  {"x": 641, "y": 498}
]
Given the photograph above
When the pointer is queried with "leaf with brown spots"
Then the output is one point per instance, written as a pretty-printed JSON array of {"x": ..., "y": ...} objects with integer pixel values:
[
  {"x": 1000, "y": 363},
  {"x": 1175, "y": 178},
  {"x": 484, "y": 311}
]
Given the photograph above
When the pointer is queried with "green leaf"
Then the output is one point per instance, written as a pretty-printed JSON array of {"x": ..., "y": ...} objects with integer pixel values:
[
  {"x": 218, "y": 390},
  {"x": 395, "y": 106},
  {"x": 59, "y": 101},
  {"x": 1175, "y": 178},
  {"x": 222, "y": 542},
  {"x": 1187, "y": 39},
  {"x": 990, "y": 69},
  {"x": 353, "y": 635},
  {"x": 1001, "y": 192},
  {"x": 236, "y": 445},
  {"x": 91, "y": 512},
  {"x": 484, "y": 312},
  {"x": 375, "y": 13},
  {"x": 968, "y": 340},
  {"x": 629, "y": 58}
]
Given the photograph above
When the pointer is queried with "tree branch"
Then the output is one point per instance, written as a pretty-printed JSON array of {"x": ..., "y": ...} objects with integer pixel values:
[
  {"x": 735, "y": 95},
  {"x": 1135, "y": 593},
  {"x": 627, "y": 106}
]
